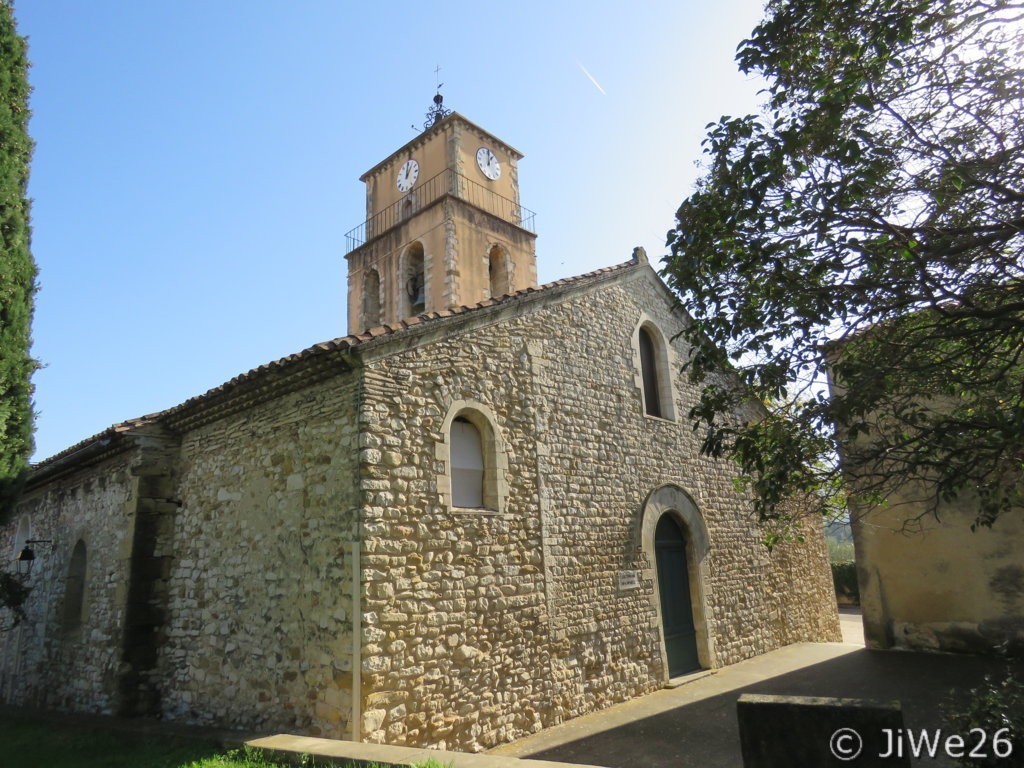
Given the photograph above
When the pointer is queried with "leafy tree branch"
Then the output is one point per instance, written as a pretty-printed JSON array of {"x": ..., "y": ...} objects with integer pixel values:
[{"x": 868, "y": 227}]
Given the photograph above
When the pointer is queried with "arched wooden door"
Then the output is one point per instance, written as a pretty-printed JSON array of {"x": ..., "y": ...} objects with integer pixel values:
[{"x": 674, "y": 586}]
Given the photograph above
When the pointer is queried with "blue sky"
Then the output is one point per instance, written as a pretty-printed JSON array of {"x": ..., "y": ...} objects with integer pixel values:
[{"x": 197, "y": 163}]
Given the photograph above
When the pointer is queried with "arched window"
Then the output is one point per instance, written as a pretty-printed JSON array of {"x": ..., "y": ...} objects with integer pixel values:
[
  {"x": 649, "y": 371},
  {"x": 467, "y": 456},
  {"x": 74, "y": 589},
  {"x": 414, "y": 284},
  {"x": 474, "y": 459},
  {"x": 498, "y": 271},
  {"x": 371, "y": 299},
  {"x": 654, "y": 370}
]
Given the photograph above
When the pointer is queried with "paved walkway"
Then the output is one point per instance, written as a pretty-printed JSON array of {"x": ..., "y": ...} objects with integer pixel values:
[
  {"x": 694, "y": 725},
  {"x": 851, "y": 625}
]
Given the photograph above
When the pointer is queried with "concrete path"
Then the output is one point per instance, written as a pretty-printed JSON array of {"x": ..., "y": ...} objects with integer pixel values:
[
  {"x": 694, "y": 725},
  {"x": 852, "y": 626}
]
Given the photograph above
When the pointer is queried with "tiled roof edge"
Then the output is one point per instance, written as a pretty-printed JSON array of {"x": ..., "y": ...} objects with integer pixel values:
[{"x": 107, "y": 440}]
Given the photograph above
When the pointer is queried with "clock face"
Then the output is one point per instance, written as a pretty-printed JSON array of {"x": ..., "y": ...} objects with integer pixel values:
[
  {"x": 488, "y": 163},
  {"x": 407, "y": 175}
]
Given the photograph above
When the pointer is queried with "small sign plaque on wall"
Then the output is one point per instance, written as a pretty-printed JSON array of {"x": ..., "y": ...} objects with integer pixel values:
[{"x": 628, "y": 580}]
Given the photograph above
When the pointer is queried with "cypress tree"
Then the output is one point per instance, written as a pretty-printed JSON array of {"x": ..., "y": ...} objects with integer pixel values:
[{"x": 17, "y": 268}]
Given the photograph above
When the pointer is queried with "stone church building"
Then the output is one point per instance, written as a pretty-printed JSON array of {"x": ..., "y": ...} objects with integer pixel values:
[{"x": 481, "y": 513}]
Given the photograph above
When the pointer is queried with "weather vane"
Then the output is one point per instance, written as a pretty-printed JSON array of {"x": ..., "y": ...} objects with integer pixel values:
[{"x": 436, "y": 113}]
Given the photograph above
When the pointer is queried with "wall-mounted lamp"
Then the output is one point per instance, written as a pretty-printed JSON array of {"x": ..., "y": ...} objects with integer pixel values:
[{"x": 27, "y": 556}]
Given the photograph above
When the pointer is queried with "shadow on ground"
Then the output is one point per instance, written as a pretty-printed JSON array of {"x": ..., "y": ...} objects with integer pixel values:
[{"x": 705, "y": 734}]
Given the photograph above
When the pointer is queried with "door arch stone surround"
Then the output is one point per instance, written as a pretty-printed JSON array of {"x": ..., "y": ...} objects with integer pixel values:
[{"x": 672, "y": 500}]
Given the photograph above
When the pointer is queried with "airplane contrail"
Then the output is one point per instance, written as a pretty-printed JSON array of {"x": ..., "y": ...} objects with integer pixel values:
[{"x": 592, "y": 79}]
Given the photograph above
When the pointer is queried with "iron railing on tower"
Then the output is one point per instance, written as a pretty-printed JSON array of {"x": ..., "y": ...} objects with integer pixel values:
[{"x": 447, "y": 182}]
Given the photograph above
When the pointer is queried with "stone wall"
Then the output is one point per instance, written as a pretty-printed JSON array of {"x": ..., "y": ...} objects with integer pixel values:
[
  {"x": 259, "y": 630},
  {"x": 48, "y": 661},
  {"x": 801, "y": 582},
  {"x": 284, "y": 554},
  {"x": 454, "y": 614},
  {"x": 483, "y": 626}
]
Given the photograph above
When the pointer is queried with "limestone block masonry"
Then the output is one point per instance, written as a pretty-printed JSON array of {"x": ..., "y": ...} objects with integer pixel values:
[
  {"x": 282, "y": 552},
  {"x": 482, "y": 627},
  {"x": 52, "y": 661},
  {"x": 260, "y": 618}
]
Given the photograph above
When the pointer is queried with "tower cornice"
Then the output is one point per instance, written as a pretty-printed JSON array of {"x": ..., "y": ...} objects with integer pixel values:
[{"x": 437, "y": 128}]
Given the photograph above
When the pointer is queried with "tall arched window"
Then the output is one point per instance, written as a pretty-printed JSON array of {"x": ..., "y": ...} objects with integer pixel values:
[
  {"x": 654, "y": 370},
  {"x": 467, "y": 456},
  {"x": 371, "y": 299},
  {"x": 414, "y": 283},
  {"x": 498, "y": 269},
  {"x": 649, "y": 371},
  {"x": 74, "y": 589}
]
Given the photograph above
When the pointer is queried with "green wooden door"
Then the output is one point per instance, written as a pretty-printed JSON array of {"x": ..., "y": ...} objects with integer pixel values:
[{"x": 676, "y": 609}]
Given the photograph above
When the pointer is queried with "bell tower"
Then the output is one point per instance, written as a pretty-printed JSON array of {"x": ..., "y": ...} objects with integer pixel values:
[{"x": 443, "y": 227}]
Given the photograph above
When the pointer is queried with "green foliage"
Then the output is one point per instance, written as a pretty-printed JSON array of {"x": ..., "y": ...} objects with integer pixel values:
[
  {"x": 17, "y": 282},
  {"x": 840, "y": 551},
  {"x": 257, "y": 758},
  {"x": 839, "y": 537},
  {"x": 844, "y": 577},
  {"x": 875, "y": 209},
  {"x": 784, "y": 528},
  {"x": 993, "y": 706},
  {"x": 17, "y": 269},
  {"x": 38, "y": 743},
  {"x": 238, "y": 758}
]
